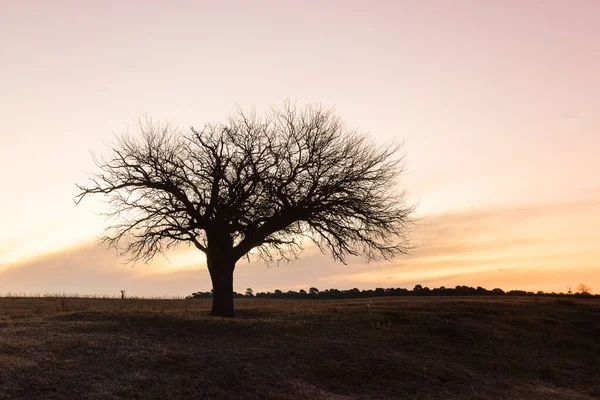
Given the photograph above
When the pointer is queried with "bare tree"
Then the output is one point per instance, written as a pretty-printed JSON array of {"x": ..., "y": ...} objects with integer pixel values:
[
  {"x": 253, "y": 185},
  {"x": 582, "y": 288}
]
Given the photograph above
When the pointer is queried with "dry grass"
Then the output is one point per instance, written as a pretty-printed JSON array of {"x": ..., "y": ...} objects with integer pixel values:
[{"x": 414, "y": 348}]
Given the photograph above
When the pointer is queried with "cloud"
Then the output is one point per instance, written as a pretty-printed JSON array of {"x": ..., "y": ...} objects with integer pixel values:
[
  {"x": 538, "y": 246},
  {"x": 90, "y": 268},
  {"x": 87, "y": 269}
]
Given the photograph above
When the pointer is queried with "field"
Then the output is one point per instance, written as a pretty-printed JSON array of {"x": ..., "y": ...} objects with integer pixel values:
[{"x": 386, "y": 348}]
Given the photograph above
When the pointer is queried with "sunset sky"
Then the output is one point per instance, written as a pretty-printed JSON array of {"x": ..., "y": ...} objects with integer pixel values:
[{"x": 498, "y": 103}]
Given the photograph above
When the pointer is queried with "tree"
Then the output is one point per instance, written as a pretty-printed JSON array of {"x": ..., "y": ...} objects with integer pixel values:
[
  {"x": 584, "y": 289},
  {"x": 249, "y": 293},
  {"x": 253, "y": 184},
  {"x": 313, "y": 291}
]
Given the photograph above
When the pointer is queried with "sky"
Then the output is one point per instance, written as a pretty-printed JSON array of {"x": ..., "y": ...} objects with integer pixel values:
[{"x": 497, "y": 102}]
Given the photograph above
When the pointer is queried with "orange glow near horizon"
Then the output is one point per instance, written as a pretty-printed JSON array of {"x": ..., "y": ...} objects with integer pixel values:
[
  {"x": 476, "y": 248},
  {"x": 497, "y": 102}
]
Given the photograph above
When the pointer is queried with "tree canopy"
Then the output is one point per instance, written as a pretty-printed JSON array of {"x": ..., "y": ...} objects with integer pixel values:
[{"x": 253, "y": 184}]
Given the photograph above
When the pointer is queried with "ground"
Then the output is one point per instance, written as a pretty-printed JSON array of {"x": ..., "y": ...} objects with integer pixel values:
[{"x": 384, "y": 348}]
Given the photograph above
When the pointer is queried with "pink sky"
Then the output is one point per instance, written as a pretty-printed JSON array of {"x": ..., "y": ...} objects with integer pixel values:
[{"x": 497, "y": 101}]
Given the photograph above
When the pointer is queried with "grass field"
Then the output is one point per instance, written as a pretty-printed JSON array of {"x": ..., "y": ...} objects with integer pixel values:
[{"x": 391, "y": 348}]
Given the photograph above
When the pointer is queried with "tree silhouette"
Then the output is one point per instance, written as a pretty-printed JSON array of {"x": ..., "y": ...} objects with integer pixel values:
[
  {"x": 584, "y": 289},
  {"x": 253, "y": 184},
  {"x": 382, "y": 292}
]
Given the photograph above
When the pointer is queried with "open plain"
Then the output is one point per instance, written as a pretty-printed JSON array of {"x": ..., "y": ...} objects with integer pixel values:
[{"x": 383, "y": 348}]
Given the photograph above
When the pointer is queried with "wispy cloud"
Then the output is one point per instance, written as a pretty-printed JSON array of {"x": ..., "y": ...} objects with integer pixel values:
[
  {"x": 540, "y": 246},
  {"x": 543, "y": 246}
]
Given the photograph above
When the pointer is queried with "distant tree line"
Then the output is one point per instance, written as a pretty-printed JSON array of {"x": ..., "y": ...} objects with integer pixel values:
[{"x": 418, "y": 290}]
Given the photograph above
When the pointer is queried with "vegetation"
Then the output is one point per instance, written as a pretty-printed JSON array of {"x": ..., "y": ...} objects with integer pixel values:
[
  {"x": 418, "y": 290},
  {"x": 253, "y": 184},
  {"x": 381, "y": 348}
]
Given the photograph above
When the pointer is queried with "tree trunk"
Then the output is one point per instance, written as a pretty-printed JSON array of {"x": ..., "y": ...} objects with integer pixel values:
[{"x": 221, "y": 273}]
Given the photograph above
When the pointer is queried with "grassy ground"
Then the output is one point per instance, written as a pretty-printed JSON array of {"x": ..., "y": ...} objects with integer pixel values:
[{"x": 414, "y": 348}]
